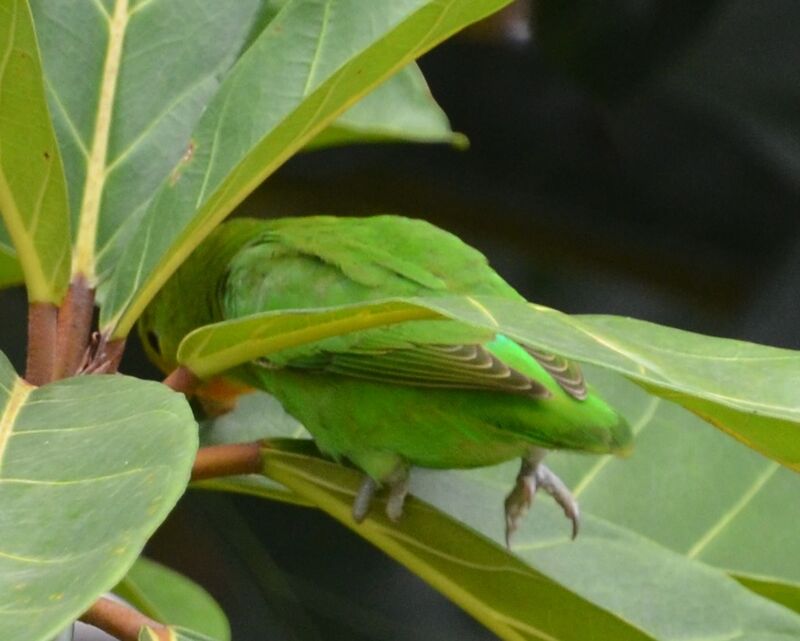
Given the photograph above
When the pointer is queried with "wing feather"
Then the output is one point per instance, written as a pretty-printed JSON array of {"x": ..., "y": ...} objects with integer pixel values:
[
  {"x": 442, "y": 366},
  {"x": 565, "y": 372}
]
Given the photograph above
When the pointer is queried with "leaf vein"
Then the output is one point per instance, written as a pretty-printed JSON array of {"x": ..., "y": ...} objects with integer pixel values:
[
  {"x": 312, "y": 67},
  {"x": 736, "y": 509}
]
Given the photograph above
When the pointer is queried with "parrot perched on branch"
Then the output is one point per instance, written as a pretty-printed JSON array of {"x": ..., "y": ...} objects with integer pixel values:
[{"x": 429, "y": 393}]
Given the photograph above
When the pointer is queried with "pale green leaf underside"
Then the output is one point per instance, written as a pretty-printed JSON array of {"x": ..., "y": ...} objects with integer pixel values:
[
  {"x": 713, "y": 377},
  {"x": 510, "y": 598},
  {"x": 33, "y": 195},
  {"x": 667, "y": 596},
  {"x": 127, "y": 81},
  {"x": 686, "y": 488},
  {"x": 401, "y": 109},
  {"x": 165, "y": 595},
  {"x": 315, "y": 59},
  {"x": 89, "y": 467},
  {"x": 787, "y": 594}
]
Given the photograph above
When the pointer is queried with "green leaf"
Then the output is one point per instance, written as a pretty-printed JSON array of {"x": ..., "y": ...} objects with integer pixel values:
[
  {"x": 608, "y": 566},
  {"x": 127, "y": 80},
  {"x": 632, "y": 510},
  {"x": 315, "y": 59},
  {"x": 33, "y": 194},
  {"x": 89, "y": 467},
  {"x": 713, "y": 377},
  {"x": 165, "y": 595},
  {"x": 401, "y": 109},
  {"x": 687, "y": 488},
  {"x": 511, "y": 599},
  {"x": 732, "y": 499},
  {"x": 215, "y": 348},
  {"x": 786, "y": 594},
  {"x": 10, "y": 269}
]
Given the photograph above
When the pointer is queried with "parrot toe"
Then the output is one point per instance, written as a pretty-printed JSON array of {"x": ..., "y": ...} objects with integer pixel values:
[
  {"x": 534, "y": 475},
  {"x": 363, "y": 499},
  {"x": 554, "y": 486},
  {"x": 517, "y": 504},
  {"x": 398, "y": 490},
  {"x": 397, "y": 497}
]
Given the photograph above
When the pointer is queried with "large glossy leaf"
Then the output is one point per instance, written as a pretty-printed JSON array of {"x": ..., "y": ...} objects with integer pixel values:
[
  {"x": 713, "y": 377},
  {"x": 89, "y": 467},
  {"x": 515, "y": 601},
  {"x": 165, "y": 595},
  {"x": 685, "y": 484},
  {"x": 127, "y": 81},
  {"x": 315, "y": 59},
  {"x": 686, "y": 488},
  {"x": 609, "y": 566},
  {"x": 33, "y": 194},
  {"x": 401, "y": 109},
  {"x": 694, "y": 491}
]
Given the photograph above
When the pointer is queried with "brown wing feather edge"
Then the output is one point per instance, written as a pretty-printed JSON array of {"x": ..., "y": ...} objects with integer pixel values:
[
  {"x": 566, "y": 373},
  {"x": 441, "y": 366}
]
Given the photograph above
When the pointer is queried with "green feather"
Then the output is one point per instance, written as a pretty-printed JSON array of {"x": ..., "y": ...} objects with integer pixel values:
[{"x": 429, "y": 393}]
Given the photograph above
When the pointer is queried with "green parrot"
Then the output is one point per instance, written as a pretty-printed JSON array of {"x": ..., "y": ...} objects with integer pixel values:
[{"x": 428, "y": 393}]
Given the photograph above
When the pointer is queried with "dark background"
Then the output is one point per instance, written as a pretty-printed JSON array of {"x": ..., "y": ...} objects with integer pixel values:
[{"x": 636, "y": 158}]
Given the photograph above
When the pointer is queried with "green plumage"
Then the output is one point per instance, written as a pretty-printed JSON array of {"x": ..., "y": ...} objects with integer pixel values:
[{"x": 430, "y": 393}]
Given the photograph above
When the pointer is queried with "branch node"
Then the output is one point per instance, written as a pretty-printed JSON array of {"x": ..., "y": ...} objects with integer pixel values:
[
  {"x": 74, "y": 326},
  {"x": 227, "y": 460},
  {"x": 182, "y": 380}
]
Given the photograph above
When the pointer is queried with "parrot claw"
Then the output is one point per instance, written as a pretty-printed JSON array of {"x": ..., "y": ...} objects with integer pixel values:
[
  {"x": 398, "y": 490},
  {"x": 534, "y": 475},
  {"x": 397, "y": 498},
  {"x": 364, "y": 499}
]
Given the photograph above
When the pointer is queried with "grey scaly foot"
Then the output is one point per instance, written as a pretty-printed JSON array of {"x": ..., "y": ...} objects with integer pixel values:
[
  {"x": 398, "y": 489},
  {"x": 364, "y": 499},
  {"x": 534, "y": 475}
]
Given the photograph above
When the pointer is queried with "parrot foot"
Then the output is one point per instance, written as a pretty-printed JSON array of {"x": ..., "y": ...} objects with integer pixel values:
[
  {"x": 364, "y": 498},
  {"x": 534, "y": 475},
  {"x": 398, "y": 490}
]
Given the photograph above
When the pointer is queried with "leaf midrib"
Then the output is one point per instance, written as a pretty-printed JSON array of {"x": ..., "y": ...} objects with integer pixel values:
[
  {"x": 84, "y": 262},
  {"x": 121, "y": 323},
  {"x": 730, "y": 515}
]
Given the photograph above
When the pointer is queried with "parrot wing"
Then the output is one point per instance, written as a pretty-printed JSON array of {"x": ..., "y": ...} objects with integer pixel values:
[
  {"x": 436, "y": 366},
  {"x": 325, "y": 261}
]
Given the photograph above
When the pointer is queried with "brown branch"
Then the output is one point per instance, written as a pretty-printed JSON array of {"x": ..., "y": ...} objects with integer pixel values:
[
  {"x": 42, "y": 322},
  {"x": 227, "y": 460},
  {"x": 120, "y": 621},
  {"x": 182, "y": 380},
  {"x": 74, "y": 327}
]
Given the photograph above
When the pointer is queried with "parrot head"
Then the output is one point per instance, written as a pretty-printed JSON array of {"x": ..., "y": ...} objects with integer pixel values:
[{"x": 190, "y": 298}]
